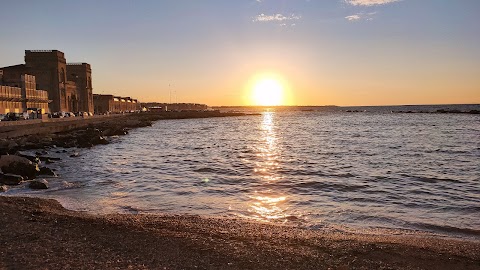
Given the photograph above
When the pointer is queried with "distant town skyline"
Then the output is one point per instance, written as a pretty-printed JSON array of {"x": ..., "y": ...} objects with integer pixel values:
[{"x": 252, "y": 52}]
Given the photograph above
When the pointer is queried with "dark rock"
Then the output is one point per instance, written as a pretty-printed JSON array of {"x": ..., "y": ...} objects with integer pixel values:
[
  {"x": 33, "y": 159},
  {"x": 12, "y": 147},
  {"x": 10, "y": 179},
  {"x": 18, "y": 165},
  {"x": 99, "y": 140},
  {"x": 48, "y": 161},
  {"x": 46, "y": 171},
  {"x": 30, "y": 146},
  {"x": 38, "y": 184},
  {"x": 115, "y": 131}
]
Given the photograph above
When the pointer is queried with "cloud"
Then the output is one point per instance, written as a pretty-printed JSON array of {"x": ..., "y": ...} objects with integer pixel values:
[
  {"x": 275, "y": 18},
  {"x": 361, "y": 16},
  {"x": 353, "y": 17},
  {"x": 370, "y": 2}
]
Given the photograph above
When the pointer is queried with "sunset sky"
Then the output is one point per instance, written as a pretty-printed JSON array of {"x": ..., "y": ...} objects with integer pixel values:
[{"x": 321, "y": 52}]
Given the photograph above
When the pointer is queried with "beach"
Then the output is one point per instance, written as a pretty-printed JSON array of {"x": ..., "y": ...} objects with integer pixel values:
[{"x": 41, "y": 234}]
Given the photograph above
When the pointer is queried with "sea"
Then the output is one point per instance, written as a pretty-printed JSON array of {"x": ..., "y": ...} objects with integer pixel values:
[{"x": 354, "y": 169}]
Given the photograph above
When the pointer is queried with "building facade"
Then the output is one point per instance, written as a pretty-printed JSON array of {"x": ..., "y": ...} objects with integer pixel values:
[
  {"x": 81, "y": 74},
  {"x": 69, "y": 86},
  {"x": 21, "y": 95},
  {"x": 114, "y": 104}
]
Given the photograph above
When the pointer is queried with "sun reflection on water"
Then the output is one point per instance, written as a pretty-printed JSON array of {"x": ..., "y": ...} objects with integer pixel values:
[{"x": 267, "y": 204}]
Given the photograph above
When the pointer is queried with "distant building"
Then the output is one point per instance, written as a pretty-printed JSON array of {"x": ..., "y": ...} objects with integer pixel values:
[
  {"x": 69, "y": 86},
  {"x": 114, "y": 104},
  {"x": 175, "y": 106}
]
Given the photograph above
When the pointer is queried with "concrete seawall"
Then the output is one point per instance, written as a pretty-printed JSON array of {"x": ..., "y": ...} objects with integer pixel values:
[{"x": 12, "y": 129}]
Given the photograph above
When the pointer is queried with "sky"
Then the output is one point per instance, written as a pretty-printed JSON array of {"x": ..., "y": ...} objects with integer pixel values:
[{"x": 321, "y": 52}]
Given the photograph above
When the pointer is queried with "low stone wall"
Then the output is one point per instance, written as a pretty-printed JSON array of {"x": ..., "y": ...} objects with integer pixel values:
[{"x": 12, "y": 129}]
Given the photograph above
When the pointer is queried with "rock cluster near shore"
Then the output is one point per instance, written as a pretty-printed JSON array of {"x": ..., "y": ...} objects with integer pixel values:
[
  {"x": 16, "y": 169},
  {"x": 81, "y": 138}
]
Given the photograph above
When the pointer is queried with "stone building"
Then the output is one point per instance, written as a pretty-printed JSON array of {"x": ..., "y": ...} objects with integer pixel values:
[
  {"x": 20, "y": 94},
  {"x": 114, "y": 104},
  {"x": 69, "y": 86},
  {"x": 81, "y": 74}
]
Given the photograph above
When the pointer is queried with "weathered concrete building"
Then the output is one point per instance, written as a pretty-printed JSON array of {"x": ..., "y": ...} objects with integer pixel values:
[
  {"x": 67, "y": 93},
  {"x": 114, "y": 104}
]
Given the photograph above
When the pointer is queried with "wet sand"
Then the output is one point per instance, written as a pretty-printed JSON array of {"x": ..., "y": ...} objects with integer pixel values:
[{"x": 41, "y": 234}]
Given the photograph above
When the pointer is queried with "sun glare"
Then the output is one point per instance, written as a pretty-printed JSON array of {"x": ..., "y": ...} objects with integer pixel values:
[{"x": 267, "y": 92}]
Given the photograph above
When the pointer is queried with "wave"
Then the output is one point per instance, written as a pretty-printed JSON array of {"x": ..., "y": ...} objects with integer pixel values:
[
  {"x": 445, "y": 229},
  {"x": 432, "y": 180},
  {"x": 315, "y": 185}
]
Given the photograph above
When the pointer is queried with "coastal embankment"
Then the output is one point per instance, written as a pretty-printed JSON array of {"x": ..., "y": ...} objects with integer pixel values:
[
  {"x": 13, "y": 129},
  {"x": 41, "y": 234},
  {"x": 83, "y": 132},
  {"x": 39, "y": 135}
]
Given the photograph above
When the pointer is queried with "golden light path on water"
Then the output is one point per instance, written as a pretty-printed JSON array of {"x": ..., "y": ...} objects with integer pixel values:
[{"x": 267, "y": 204}]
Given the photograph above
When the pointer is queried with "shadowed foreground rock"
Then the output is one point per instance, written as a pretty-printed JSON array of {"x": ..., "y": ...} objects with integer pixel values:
[
  {"x": 19, "y": 166},
  {"x": 38, "y": 184},
  {"x": 40, "y": 234}
]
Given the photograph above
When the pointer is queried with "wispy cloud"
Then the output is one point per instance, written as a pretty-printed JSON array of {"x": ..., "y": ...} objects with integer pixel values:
[
  {"x": 361, "y": 16},
  {"x": 276, "y": 18},
  {"x": 370, "y": 2},
  {"x": 353, "y": 17}
]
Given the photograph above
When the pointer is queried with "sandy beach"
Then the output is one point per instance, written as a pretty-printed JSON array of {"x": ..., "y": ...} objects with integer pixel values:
[{"x": 41, "y": 234}]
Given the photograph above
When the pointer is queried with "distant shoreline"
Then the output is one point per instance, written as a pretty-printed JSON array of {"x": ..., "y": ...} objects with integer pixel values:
[
  {"x": 435, "y": 109},
  {"x": 340, "y": 106},
  {"x": 40, "y": 233}
]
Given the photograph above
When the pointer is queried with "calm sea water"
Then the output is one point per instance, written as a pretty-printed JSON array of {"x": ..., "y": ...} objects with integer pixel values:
[{"x": 352, "y": 171}]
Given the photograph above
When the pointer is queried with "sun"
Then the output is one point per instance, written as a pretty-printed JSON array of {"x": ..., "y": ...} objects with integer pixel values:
[{"x": 267, "y": 92}]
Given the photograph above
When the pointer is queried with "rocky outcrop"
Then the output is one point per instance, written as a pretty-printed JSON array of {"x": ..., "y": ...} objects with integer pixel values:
[
  {"x": 18, "y": 165},
  {"x": 46, "y": 171},
  {"x": 10, "y": 179},
  {"x": 38, "y": 184}
]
